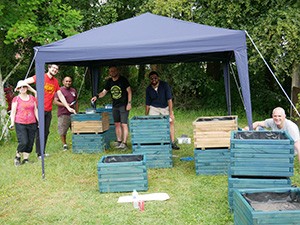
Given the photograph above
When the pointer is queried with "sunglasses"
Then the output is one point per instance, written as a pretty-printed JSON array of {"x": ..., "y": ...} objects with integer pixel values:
[{"x": 23, "y": 87}]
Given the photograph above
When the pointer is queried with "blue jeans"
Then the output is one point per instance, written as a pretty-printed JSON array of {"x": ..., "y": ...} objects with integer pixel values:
[{"x": 25, "y": 134}]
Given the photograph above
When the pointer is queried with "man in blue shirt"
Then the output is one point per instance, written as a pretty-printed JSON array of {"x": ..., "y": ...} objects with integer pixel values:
[{"x": 159, "y": 102}]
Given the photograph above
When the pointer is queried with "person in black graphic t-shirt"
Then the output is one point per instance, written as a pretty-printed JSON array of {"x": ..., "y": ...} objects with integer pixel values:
[{"x": 121, "y": 95}]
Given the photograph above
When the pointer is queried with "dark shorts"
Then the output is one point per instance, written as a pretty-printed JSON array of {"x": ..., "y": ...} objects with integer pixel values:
[
  {"x": 64, "y": 123},
  {"x": 120, "y": 114}
]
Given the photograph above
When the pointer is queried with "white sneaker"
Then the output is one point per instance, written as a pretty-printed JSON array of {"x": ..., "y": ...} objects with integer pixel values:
[{"x": 122, "y": 146}]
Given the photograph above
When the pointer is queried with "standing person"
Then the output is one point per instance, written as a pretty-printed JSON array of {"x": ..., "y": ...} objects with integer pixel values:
[
  {"x": 64, "y": 116},
  {"x": 24, "y": 117},
  {"x": 121, "y": 96},
  {"x": 159, "y": 102},
  {"x": 51, "y": 87},
  {"x": 278, "y": 122}
]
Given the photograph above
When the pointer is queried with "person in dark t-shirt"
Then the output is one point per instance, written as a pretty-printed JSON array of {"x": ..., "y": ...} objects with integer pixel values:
[{"x": 121, "y": 95}]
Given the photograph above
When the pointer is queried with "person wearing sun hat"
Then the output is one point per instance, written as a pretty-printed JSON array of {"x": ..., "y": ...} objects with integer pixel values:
[{"x": 24, "y": 117}]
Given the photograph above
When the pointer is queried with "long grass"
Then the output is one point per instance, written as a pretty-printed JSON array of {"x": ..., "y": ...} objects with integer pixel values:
[{"x": 69, "y": 194}]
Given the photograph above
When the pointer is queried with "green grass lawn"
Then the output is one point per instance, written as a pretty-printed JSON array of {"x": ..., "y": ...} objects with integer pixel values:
[{"x": 69, "y": 193}]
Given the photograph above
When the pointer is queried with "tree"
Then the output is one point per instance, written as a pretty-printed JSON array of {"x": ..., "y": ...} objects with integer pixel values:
[{"x": 26, "y": 23}]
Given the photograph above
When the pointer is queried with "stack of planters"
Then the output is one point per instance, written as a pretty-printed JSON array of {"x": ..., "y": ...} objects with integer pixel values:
[
  {"x": 88, "y": 132},
  {"x": 150, "y": 135},
  {"x": 212, "y": 142},
  {"x": 259, "y": 160}
]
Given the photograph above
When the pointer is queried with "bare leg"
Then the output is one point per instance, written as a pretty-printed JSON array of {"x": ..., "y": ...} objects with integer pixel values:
[
  {"x": 172, "y": 131},
  {"x": 118, "y": 131},
  {"x": 63, "y": 139},
  {"x": 125, "y": 132}
]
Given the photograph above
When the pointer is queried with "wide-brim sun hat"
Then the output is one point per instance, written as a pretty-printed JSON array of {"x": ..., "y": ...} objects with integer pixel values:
[{"x": 21, "y": 83}]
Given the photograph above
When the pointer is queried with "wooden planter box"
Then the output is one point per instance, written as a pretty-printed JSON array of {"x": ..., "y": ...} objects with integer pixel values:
[
  {"x": 267, "y": 206},
  {"x": 88, "y": 143},
  {"x": 158, "y": 155},
  {"x": 122, "y": 173},
  {"x": 90, "y": 123},
  {"x": 109, "y": 111},
  {"x": 254, "y": 183},
  {"x": 213, "y": 132},
  {"x": 150, "y": 130},
  {"x": 261, "y": 153},
  {"x": 211, "y": 162}
]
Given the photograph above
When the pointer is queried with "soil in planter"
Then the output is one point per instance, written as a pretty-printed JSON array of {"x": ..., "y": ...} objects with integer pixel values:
[{"x": 271, "y": 201}]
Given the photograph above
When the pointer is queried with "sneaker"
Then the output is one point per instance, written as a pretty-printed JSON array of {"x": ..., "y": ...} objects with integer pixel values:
[
  {"x": 65, "y": 147},
  {"x": 117, "y": 143},
  {"x": 122, "y": 146},
  {"x": 174, "y": 146},
  {"x": 25, "y": 161},
  {"x": 45, "y": 155},
  {"x": 17, "y": 161}
]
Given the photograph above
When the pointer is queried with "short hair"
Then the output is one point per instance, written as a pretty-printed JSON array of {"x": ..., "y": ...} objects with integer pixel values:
[
  {"x": 153, "y": 73},
  {"x": 281, "y": 110},
  {"x": 112, "y": 66}
]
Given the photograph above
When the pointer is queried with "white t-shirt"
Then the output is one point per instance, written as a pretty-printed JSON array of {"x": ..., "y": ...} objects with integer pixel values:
[{"x": 289, "y": 126}]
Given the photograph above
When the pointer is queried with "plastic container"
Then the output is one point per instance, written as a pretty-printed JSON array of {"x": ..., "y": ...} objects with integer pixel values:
[{"x": 135, "y": 200}]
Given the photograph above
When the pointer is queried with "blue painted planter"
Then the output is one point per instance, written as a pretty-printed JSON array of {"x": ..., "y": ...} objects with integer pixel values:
[
  {"x": 283, "y": 206},
  {"x": 158, "y": 156},
  {"x": 212, "y": 162},
  {"x": 261, "y": 153},
  {"x": 122, "y": 173},
  {"x": 88, "y": 143}
]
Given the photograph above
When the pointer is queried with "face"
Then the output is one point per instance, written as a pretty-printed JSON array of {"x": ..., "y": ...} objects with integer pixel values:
[
  {"x": 278, "y": 118},
  {"x": 113, "y": 71},
  {"x": 53, "y": 69},
  {"x": 67, "y": 82},
  {"x": 23, "y": 89},
  {"x": 154, "y": 79}
]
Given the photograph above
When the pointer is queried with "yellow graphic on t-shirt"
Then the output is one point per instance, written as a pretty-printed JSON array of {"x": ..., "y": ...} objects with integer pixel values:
[
  {"x": 116, "y": 92},
  {"x": 49, "y": 88}
]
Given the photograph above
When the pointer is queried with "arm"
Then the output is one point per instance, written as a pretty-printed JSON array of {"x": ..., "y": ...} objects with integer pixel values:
[
  {"x": 29, "y": 80},
  {"x": 64, "y": 102},
  {"x": 170, "y": 104},
  {"x": 256, "y": 124},
  {"x": 100, "y": 95},
  {"x": 33, "y": 91},
  {"x": 147, "y": 109},
  {"x": 57, "y": 102},
  {"x": 13, "y": 114},
  {"x": 297, "y": 148},
  {"x": 129, "y": 93}
]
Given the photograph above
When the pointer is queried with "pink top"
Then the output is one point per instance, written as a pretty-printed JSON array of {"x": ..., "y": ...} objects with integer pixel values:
[{"x": 25, "y": 110}]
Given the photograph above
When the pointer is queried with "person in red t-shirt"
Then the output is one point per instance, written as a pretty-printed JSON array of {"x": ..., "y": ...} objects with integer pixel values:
[{"x": 51, "y": 87}]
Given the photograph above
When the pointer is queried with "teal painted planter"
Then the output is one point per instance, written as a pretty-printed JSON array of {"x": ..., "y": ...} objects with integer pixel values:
[
  {"x": 149, "y": 129},
  {"x": 88, "y": 143},
  {"x": 283, "y": 206},
  {"x": 261, "y": 153},
  {"x": 158, "y": 156},
  {"x": 254, "y": 183},
  {"x": 212, "y": 162},
  {"x": 122, "y": 173}
]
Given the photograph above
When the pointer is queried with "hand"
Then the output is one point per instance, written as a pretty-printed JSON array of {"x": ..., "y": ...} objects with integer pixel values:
[
  {"x": 72, "y": 110},
  {"x": 93, "y": 99},
  {"x": 11, "y": 126}
]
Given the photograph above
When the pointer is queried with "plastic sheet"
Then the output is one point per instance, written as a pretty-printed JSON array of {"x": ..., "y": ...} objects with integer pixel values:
[
  {"x": 263, "y": 135},
  {"x": 223, "y": 118},
  {"x": 123, "y": 158}
]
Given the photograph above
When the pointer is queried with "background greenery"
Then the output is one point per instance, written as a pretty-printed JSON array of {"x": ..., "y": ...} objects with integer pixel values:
[
  {"x": 273, "y": 25},
  {"x": 69, "y": 194}
]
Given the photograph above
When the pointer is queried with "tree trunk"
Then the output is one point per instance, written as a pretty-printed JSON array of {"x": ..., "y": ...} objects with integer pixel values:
[{"x": 295, "y": 90}]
